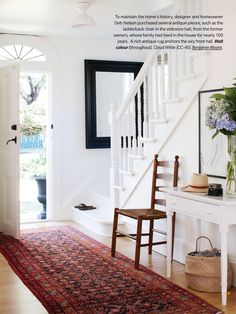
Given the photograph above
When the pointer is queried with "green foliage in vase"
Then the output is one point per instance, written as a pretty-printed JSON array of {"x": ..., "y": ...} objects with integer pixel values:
[{"x": 230, "y": 98}]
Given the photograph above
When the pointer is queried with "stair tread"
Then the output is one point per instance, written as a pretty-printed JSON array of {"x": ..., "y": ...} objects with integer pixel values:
[
  {"x": 136, "y": 156},
  {"x": 159, "y": 121},
  {"x": 104, "y": 216},
  {"x": 147, "y": 139}
]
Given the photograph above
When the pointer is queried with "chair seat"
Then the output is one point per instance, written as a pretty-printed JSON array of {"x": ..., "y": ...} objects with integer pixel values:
[{"x": 144, "y": 213}]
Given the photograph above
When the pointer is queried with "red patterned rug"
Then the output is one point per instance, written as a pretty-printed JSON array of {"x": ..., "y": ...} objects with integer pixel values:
[{"x": 71, "y": 273}]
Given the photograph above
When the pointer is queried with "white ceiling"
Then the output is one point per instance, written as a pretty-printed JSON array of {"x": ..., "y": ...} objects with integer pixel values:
[{"x": 54, "y": 17}]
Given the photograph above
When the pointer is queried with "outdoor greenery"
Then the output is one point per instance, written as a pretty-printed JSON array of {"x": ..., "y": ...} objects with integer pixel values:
[
  {"x": 32, "y": 120},
  {"x": 30, "y": 127},
  {"x": 32, "y": 87},
  {"x": 34, "y": 167}
]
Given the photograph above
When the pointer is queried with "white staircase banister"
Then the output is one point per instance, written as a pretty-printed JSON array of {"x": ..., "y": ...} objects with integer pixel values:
[{"x": 137, "y": 83}]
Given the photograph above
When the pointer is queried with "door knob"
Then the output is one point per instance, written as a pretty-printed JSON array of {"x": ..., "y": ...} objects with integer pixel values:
[{"x": 12, "y": 140}]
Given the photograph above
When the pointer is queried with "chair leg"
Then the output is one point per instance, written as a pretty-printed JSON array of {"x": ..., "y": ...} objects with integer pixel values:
[
  {"x": 173, "y": 234},
  {"x": 150, "y": 237},
  {"x": 138, "y": 242},
  {"x": 113, "y": 243}
]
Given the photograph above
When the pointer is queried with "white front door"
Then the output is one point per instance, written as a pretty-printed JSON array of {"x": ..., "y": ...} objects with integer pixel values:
[{"x": 9, "y": 150}]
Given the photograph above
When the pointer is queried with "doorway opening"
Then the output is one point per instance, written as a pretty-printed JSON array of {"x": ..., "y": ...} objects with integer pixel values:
[{"x": 33, "y": 147}]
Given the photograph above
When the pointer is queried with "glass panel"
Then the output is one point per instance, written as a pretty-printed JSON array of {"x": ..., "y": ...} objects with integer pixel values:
[
  {"x": 24, "y": 53},
  {"x": 4, "y": 55},
  {"x": 18, "y": 49},
  {"x": 11, "y": 51},
  {"x": 35, "y": 55},
  {"x": 107, "y": 93}
]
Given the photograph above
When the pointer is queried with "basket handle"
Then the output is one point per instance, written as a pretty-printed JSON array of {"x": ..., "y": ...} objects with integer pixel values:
[{"x": 203, "y": 237}]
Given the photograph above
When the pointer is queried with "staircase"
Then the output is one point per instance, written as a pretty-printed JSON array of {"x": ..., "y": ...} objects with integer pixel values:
[{"x": 162, "y": 92}]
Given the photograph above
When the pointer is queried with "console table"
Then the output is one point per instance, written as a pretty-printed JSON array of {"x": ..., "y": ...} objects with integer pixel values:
[{"x": 218, "y": 210}]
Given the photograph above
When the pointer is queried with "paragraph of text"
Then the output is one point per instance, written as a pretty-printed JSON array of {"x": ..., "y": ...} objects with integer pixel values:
[{"x": 193, "y": 32}]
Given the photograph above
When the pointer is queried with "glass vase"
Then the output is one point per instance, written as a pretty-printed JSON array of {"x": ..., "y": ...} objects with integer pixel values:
[{"x": 231, "y": 166}]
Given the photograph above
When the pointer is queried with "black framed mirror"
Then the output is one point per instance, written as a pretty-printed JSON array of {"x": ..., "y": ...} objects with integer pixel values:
[{"x": 105, "y": 81}]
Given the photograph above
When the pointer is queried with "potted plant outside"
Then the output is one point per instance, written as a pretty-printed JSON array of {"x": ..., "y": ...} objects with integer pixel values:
[
  {"x": 36, "y": 169},
  {"x": 39, "y": 165}
]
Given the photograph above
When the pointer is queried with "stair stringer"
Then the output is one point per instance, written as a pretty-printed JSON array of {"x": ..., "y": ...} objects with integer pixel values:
[{"x": 188, "y": 91}]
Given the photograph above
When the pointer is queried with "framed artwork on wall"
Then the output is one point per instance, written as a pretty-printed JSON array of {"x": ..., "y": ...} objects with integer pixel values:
[{"x": 212, "y": 152}]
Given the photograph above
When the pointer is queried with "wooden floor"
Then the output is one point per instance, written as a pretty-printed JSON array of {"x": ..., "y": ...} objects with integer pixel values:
[{"x": 15, "y": 298}]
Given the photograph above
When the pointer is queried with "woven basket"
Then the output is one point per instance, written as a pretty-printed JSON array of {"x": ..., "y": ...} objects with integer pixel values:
[{"x": 204, "y": 273}]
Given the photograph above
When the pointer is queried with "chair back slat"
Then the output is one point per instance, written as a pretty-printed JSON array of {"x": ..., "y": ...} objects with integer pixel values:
[
  {"x": 163, "y": 176},
  {"x": 164, "y": 163},
  {"x": 161, "y": 202}
]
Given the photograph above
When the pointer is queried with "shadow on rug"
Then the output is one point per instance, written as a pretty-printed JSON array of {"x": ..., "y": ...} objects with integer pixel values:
[{"x": 71, "y": 273}]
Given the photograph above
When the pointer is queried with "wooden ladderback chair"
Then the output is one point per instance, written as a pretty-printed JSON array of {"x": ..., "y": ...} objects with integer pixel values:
[{"x": 151, "y": 214}]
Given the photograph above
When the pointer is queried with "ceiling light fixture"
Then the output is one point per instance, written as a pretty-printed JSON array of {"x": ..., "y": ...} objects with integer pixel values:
[{"x": 83, "y": 19}]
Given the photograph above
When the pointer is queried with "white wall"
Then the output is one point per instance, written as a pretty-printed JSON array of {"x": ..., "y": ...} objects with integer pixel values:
[
  {"x": 184, "y": 141},
  {"x": 78, "y": 169}
]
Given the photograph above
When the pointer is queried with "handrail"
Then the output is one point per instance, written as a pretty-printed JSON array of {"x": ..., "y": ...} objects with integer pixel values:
[{"x": 136, "y": 85}]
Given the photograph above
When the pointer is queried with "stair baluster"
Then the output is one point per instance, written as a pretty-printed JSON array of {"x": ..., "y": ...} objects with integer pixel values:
[{"x": 162, "y": 86}]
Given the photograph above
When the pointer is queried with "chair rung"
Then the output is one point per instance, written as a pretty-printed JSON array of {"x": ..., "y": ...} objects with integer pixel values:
[
  {"x": 154, "y": 243},
  {"x": 133, "y": 235},
  {"x": 159, "y": 243},
  {"x": 123, "y": 234}
]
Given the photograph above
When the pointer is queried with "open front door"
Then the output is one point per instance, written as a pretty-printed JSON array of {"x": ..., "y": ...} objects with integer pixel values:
[{"x": 9, "y": 150}]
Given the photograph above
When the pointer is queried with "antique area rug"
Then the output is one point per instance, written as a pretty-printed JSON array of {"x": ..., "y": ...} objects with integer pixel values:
[{"x": 71, "y": 273}]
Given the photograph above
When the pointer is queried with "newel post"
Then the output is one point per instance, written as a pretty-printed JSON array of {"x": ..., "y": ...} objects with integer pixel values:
[{"x": 114, "y": 169}]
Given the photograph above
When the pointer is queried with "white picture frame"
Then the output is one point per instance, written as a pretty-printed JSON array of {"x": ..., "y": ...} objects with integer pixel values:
[{"x": 212, "y": 152}]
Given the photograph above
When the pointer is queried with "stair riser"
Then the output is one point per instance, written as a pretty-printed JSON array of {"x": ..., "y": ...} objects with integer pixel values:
[
  {"x": 98, "y": 227},
  {"x": 100, "y": 201}
]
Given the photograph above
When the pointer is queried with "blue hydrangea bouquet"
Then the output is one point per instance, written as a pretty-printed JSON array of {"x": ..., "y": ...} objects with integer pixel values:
[{"x": 221, "y": 116}]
